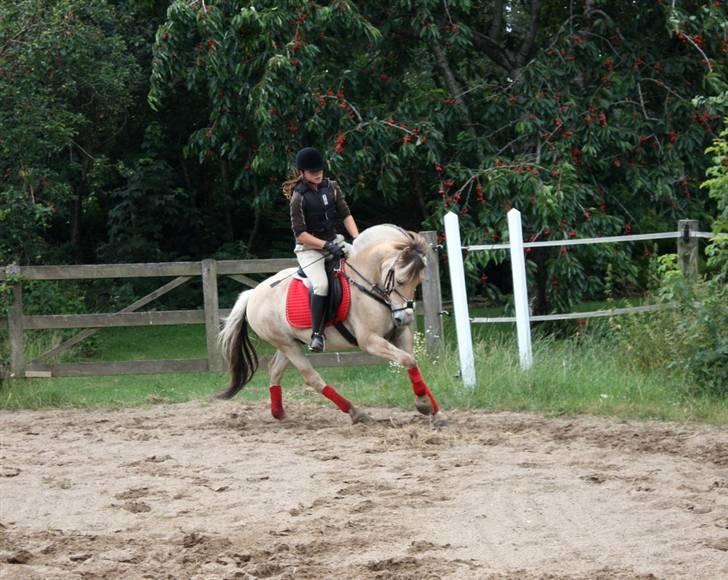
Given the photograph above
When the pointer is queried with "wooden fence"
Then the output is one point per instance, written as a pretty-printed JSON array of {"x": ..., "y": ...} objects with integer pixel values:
[{"x": 210, "y": 315}]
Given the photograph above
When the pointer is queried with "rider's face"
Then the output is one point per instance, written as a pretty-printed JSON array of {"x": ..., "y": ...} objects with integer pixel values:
[{"x": 314, "y": 177}]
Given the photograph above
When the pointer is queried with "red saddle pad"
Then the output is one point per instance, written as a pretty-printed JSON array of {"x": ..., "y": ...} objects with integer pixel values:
[{"x": 298, "y": 306}]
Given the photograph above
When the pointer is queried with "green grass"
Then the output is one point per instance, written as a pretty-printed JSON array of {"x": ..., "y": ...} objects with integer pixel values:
[{"x": 570, "y": 376}]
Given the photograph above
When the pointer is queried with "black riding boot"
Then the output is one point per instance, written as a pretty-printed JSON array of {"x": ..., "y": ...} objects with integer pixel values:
[{"x": 318, "y": 314}]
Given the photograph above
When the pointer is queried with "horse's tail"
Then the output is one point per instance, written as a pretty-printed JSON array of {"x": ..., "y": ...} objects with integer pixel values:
[{"x": 236, "y": 347}]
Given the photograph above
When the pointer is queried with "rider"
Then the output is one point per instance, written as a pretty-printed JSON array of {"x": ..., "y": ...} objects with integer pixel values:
[{"x": 317, "y": 207}]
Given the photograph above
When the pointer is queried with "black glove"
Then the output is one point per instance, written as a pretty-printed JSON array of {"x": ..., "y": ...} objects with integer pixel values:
[{"x": 334, "y": 249}]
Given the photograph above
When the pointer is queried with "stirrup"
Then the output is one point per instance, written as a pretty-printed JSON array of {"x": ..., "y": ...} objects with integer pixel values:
[{"x": 318, "y": 342}]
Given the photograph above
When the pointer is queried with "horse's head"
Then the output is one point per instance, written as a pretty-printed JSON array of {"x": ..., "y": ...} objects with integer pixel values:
[{"x": 402, "y": 270}]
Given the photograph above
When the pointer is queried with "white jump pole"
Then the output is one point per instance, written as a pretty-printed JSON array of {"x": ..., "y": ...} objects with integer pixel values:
[
  {"x": 520, "y": 291},
  {"x": 460, "y": 299}
]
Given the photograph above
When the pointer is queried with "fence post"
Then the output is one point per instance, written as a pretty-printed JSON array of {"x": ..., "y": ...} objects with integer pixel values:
[
  {"x": 520, "y": 290},
  {"x": 212, "y": 314},
  {"x": 687, "y": 249},
  {"x": 460, "y": 299},
  {"x": 15, "y": 327},
  {"x": 432, "y": 298}
]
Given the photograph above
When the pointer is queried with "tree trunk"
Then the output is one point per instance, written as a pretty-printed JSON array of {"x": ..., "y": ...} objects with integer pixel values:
[
  {"x": 229, "y": 233},
  {"x": 256, "y": 217}
]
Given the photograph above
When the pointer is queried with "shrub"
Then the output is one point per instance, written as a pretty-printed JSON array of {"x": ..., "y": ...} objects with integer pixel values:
[{"x": 689, "y": 336}]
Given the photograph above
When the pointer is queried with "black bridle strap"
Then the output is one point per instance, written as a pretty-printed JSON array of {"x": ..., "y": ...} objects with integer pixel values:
[
  {"x": 375, "y": 291},
  {"x": 379, "y": 294}
]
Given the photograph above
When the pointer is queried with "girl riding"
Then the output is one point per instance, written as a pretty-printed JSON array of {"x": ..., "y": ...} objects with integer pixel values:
[{"x": 318, "y": 208}]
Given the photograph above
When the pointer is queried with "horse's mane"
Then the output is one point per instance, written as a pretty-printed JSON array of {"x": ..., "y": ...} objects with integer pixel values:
[
  {"x": 413, "y": 250},
  {"x": 379, "y": 233}
]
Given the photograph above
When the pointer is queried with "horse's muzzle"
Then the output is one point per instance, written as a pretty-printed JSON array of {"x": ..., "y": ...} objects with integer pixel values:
[{"x": 402, "y": 317}]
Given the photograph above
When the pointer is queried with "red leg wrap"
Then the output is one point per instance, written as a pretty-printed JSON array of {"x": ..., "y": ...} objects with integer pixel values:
[
  {"x": 420, "y": 387},
  {"x": 330, "y": 393},
  {"x": 418, "y": 383},
  {"x": 276, "y": 402}
]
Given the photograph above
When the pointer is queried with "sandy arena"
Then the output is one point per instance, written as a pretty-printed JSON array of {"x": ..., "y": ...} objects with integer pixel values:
[{"x": 222, "y": 490}]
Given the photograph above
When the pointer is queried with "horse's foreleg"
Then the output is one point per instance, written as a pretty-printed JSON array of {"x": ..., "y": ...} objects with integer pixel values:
[
  {"x": 313, "y": 379},
  {"x": 378, "y": 346},
  {"x": 276, "y": 368}
]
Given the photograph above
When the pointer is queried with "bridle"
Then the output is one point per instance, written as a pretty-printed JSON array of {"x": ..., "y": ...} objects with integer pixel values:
[{"x": 382, "y": 295}]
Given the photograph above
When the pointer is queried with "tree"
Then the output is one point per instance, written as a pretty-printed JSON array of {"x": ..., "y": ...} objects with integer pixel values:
[
  {"x": 581, "y": 118},
  {"x": 65, "y": 78}
]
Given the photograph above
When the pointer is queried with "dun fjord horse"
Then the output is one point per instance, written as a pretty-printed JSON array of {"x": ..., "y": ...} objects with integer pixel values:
[{"x": 384, "y": 269}]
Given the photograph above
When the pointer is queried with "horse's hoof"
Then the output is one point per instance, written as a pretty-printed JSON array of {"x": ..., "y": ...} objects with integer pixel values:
[
  {"x": 423, "y": 405},
  {"x": 439, "y": 421},
  {"x": 360, "y": 417}
]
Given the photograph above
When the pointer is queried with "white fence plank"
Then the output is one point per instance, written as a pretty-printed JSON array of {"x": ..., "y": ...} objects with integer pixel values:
[
  {"x": 460, "y": 299},
  {"x": 520, "y": 288}
]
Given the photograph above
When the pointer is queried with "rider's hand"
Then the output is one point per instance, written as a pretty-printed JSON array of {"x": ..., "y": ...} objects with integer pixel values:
[{"x": 333, "y": 249}]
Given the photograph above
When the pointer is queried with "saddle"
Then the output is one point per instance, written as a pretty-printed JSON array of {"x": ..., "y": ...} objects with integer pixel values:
[{"x": 298, "y": 299}]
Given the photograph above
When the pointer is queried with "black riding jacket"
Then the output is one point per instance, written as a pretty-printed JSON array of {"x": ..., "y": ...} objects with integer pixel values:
[{"x": 318, "y": 212}]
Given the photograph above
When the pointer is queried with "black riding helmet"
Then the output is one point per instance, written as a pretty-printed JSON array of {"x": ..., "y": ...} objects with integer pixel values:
[{"x": 309, "y": 159}]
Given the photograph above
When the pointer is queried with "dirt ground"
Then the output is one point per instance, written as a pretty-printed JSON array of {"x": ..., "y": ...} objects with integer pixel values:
[{"x": 222, "y": 490}]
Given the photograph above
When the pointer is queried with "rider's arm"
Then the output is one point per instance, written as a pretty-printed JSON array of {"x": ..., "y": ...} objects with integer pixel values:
[
  {"x": 310, "y": 240},
  {"x": 350, "y": 226},
  {"x": 342, "y": 210}
]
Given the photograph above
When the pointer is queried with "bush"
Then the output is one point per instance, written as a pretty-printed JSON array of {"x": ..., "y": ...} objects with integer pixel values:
[{"x": 690, "y": 336}]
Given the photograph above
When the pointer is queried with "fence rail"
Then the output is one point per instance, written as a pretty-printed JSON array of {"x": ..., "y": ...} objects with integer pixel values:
[
  {"x": 210, "y": 315},
  {"x": 687, "y": 235},
  {"x": 584, "y": 241}
]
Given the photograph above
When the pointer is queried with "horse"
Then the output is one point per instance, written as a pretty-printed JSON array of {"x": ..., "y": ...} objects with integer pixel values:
[{"x": 384, "y": 268}]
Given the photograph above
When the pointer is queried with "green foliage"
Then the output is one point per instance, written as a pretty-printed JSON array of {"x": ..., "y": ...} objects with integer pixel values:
[
  {"x": 717, "y": 185},
  {"x": 64, "y": 85},
  {"x": 588, "y": 128},
  {"x": 157, "y": 129},
  {"x": 148, "y": 210},
  {"x": 689, "y": 337}
]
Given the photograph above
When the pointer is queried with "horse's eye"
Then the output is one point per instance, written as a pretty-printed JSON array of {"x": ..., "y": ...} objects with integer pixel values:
[{"x": 400, "y": 282}]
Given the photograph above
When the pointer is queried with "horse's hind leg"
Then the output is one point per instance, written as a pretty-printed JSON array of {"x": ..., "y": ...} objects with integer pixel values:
[
  {"x": 313, "y": 379},
  {"x": 276, "y": 367}
]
